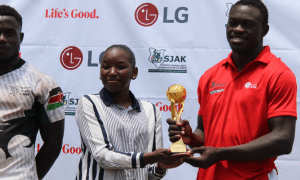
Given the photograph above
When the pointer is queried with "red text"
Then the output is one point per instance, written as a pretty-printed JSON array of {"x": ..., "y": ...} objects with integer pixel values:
[
  {"x": 75, "y": 13},
  {"x": 166, "y": 108},
  {"x": 71, "y": 150}
]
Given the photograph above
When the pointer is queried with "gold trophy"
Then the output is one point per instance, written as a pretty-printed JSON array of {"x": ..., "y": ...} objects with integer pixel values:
[{"x": 177, "y": 94}]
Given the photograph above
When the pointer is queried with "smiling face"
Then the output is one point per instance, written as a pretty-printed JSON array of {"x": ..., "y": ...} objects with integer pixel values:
[
  {"x": 116, "y": 70},
  {"x": 245, "y": 30},
  {"x": 10, "y": 38}
]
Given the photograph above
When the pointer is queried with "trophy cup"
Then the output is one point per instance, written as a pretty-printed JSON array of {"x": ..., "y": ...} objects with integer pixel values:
[{"x": 177, "y": 94}]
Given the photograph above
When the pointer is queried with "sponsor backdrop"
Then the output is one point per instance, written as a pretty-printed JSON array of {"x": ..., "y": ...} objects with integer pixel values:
[{"x": 174, "y": 43}]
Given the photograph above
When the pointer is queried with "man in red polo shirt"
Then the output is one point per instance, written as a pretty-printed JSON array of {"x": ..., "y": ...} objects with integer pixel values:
[{"x": 247, "y": 112}]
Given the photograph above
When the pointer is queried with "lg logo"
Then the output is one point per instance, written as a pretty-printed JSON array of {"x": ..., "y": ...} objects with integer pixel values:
[
  {"x": 71, "y": 58},
  {"x": 249, "y": 85},
  {"x": 147, "y": 14}
]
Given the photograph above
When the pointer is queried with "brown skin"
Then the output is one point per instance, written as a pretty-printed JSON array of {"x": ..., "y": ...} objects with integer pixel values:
[
  {"x": 10, "y": 40},
  {"x": 245, "y": 34},
  {"x": 52, "y": 134},
  {"x": 277, "y": 142},
  {"x": 165, "y": 159},
  {"x": 183, "y": 130},
  {"x": 116, "y": 72}
]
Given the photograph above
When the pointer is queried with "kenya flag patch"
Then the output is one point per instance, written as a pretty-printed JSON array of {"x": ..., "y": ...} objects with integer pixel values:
[{"x": 56, "y": 99}]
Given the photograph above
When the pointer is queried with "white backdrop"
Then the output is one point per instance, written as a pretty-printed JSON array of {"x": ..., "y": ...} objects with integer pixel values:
[{"x": 189, "y": 33}]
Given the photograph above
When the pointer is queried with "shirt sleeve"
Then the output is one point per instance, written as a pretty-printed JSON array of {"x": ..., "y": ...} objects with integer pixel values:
[
  {"x": 95, "y": 139},
  {"x": 282, "y": 95},
  {"x": 50, "y": 96},
  {"x": 152, "y": 174}
]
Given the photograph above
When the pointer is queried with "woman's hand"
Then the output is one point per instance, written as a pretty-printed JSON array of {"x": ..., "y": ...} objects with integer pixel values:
[{"x": 165, "y": 158}]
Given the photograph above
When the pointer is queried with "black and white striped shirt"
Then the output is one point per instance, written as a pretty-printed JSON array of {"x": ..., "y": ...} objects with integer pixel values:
[
  {"x": 29, "y": 98},
  {"x": 114, "y": 139}
]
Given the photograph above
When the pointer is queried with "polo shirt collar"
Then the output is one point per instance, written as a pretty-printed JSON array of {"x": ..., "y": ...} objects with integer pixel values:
[
  {"x": 108, "y": 100},
  {"x": 262, "y": 57}
]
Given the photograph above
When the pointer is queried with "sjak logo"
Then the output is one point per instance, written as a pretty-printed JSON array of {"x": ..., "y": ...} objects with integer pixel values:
[
  {"x": 166, "y": 63},
  {"x": 70, "y": 103},
  {"x": 156, "y": 57},
  {"x": 229, "y": 5}
]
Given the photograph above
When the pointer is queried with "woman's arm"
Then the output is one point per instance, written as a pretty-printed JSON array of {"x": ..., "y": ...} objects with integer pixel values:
[{"x": 95, "y": 140}]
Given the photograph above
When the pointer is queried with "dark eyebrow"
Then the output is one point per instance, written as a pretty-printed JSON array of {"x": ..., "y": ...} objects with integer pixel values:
[
  {"x": 231, "y": 19},
  {"x": 244, "y": 20},
  {"x": 104, "y": 61},
  {"x": 11, "y": 29}
]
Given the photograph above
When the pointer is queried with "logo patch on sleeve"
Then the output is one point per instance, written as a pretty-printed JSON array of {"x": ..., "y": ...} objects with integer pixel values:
[{"x": 56, "y": 99}]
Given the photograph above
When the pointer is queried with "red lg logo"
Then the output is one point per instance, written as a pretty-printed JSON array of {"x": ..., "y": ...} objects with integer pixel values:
[
  {"x": 71, "y": 58},
  {"x": 146, "y": 14}
]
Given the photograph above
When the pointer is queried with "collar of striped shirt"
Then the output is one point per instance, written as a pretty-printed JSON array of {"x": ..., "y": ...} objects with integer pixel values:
[{"x": 107, "y": 99}]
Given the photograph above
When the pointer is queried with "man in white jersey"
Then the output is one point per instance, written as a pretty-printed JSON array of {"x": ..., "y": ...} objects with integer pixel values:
[{"x": 30, "y": 100}]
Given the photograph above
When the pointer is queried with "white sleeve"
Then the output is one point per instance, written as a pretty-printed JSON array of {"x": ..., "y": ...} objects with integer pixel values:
[
  {"x": 94, "y": 137},
  {"x": 50, "y": 96},
  {"x": 152, "y": 174}
]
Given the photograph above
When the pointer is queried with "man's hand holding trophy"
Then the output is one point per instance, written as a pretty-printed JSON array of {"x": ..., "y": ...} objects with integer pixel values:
[{"x": 177, "y": 94}]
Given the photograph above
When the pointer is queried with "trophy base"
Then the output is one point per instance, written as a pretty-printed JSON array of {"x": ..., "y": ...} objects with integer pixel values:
[{"x": 178, "y": 147}]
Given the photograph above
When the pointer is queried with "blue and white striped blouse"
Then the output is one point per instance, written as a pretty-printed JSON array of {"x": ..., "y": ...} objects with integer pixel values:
[{"x": 114, "y": 139}]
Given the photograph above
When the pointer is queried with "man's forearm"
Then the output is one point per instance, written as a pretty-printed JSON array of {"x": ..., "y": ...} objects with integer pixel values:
[
  {"x": 264, "y": 147},
  {"x": 277, "y": 142},
  {"x": 45, "y": 158},
  {"x": 197, "y": 138}
]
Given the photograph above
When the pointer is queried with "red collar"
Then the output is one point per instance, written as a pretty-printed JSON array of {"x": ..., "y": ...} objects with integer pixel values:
[{"x": 262, "y": 57}]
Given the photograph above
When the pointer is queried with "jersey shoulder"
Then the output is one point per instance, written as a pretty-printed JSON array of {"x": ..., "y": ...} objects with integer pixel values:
[{"x": 213, "y": 70}]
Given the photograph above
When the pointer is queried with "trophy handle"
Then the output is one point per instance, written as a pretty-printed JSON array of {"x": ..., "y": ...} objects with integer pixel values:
[
  {"x": 173, "y": 110},
  {"x": 176, "y": 115},
  {"x": 180, "y": 112}
]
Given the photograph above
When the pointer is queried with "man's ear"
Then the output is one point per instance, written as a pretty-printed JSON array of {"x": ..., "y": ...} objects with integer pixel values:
[
  {"x": 21, "y": 37},
  {"x": 265, "y": 30}
]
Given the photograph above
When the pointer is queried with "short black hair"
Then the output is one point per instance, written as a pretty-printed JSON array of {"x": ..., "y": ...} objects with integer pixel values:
[
  {"x": 259, "y": 5},
  {"x": 6, "y": 10},
  {"x": 128, "y": 51}
]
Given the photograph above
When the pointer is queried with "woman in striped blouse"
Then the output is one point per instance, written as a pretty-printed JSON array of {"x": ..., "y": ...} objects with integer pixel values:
[{"x": 121, "y": 135}]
